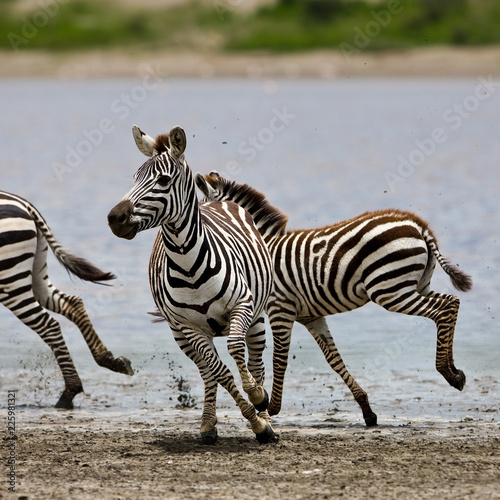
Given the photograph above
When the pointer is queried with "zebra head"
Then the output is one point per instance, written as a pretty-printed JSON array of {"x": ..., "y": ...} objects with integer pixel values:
[
  {"x": 212, "y": 186},
  {"x": 160, "y": 185}
]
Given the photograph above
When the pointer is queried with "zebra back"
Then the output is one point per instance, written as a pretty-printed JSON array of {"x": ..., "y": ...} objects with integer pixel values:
[{"x": 271, "y": 223}]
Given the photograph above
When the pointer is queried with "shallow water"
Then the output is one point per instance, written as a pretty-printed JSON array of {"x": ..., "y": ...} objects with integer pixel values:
[{"x": 322, "y": 151}]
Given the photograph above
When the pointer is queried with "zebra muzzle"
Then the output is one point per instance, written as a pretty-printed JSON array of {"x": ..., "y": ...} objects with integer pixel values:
[{"x": 120, "y": 220}]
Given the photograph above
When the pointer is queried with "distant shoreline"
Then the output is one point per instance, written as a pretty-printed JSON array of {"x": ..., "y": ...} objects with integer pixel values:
[{"x": 439, "y": 62}]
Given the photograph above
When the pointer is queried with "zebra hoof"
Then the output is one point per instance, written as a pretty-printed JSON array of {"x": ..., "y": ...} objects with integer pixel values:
[
  {"x": 267, "y": 436},
  {"x": 262, "y": 406},
  {"x": 370, "y": 419},
  {"x": 66, "y": 400},
  {"x": 122, "y": 365},
  {"x": 209, "y": 438},
  {"x": 458, "y": 381},
  {"x": 273, "y": 410}
]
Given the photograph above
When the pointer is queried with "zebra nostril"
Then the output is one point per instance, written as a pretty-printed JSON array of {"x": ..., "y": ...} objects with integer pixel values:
[{"x": 122, "y": 219}]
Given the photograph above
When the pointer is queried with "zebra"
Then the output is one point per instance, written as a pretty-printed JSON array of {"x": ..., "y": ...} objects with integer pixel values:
[
  {"x": 210, "y": 275},
  {"x": 386, "y": 257},
  {"x": 26, "y": 290}
]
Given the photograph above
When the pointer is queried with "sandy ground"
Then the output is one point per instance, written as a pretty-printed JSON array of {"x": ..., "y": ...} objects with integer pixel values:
[
  {"x": 434, "y": 62},
  {"x": 76, "y": 455}
]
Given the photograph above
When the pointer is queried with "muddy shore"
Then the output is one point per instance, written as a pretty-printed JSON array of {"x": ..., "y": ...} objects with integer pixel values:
[{"x": 74, "y": 455}]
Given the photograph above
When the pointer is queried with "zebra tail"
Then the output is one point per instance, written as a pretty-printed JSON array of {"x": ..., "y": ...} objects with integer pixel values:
[
  {"x": 460, "y": 280},
  {"x": 78, "y": 266}
]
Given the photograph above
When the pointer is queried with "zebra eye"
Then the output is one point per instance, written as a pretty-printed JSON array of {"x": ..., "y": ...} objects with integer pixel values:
[{"x": 164, "y": 180}]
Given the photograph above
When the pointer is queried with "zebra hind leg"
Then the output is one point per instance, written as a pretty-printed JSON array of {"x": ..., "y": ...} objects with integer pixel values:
[
  {"x": 443, "y": 310},
  {"x": 73, "y": 309},
  {"x": 209, "y": 416},
  {"x": 31, "y": 313},
  {"x": 319, "y": 330}
]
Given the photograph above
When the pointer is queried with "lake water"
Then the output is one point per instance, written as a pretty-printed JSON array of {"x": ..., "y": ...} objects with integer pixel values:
[{"x": 323, "y": 151}]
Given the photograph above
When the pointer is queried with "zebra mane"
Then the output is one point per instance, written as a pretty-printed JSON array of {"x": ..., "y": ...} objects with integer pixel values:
[
  {"x": 268, "y": 219},
  {"x": 162, "y": 143}
]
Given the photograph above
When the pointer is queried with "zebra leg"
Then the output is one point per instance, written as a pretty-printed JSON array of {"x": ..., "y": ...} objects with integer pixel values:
[
  {"x": 256, "y": 343},
  {"x": 319, "y": 330},
  {"x": 221, "y": 374},
  {"x": 31, "y": 313},
  {"x": 209, "y": 416},
  {"x": 454, "y": 300},
  {"x": 443, "y": 310},
  {"x": 72, "y": 308},
  {"x": 446, "y": 323},
  {"x": 281, "y": 326},
  {"x": 239, "y": 324}
]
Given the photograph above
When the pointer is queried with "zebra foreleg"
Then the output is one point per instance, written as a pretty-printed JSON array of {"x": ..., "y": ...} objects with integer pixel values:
[
  {"x": 221, "y": 374},
  {"x": 319, "y": 330},
  {"x": 236, "y": 345}
]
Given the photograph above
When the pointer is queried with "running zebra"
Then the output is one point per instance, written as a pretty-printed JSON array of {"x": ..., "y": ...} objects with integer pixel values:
[
  {"x": 387, "y": 257},
  {"x": 210, "y": 275},
  {"x": 26, "y": 290}
]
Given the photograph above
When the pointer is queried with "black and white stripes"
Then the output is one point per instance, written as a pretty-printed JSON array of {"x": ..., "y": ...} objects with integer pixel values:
[
  {"x": 210, "y": 274},
  {"x": 26, "y": 290},
  {"x": 386, "y": 257}
]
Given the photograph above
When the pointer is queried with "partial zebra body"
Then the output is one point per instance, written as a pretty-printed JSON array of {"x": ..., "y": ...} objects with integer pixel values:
[
  {"x": 387, "y": 257},
  {"x": 210, "y": 275},
  {"x": 26, "y": 290}
]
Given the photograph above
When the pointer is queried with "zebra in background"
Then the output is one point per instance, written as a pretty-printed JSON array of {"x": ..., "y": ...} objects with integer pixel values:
[
  {"x": 210, "y": 275},
  {"x": 26, "y": 290},
  {"x": 387, "y": 257}
]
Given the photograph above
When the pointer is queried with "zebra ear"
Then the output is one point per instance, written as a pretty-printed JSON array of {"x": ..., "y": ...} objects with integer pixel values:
[
  {"x": 203, "y": 186},
  {"x": 144, "y": 142},
  {"x": 178, "y": 141}
]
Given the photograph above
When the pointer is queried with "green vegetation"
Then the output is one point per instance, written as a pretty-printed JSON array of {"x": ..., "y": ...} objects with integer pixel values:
[{"x": 281, "y": 26}]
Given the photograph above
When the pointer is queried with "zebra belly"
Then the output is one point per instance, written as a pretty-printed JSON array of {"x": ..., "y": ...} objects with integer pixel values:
[{"x": 202, "y": 309}]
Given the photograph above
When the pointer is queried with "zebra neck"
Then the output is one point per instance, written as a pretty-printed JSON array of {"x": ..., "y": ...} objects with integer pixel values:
[{"x": 185, "y": 240}]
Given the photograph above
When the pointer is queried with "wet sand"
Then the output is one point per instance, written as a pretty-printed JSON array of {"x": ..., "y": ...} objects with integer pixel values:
[{"x": 73, "y": 454}]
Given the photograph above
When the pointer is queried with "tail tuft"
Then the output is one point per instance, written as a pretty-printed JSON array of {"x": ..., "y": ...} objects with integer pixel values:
[
  {"x": 460, "y": 280},
  {"x": 83, "y": 269},
  {"x": 158, "y": 316}
]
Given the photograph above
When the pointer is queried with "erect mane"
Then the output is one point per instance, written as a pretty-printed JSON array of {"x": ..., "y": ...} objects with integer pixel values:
[
  {"x": 162, "y": 143},
  {"x": 267, "y": 218}
]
